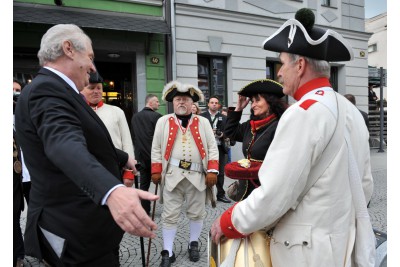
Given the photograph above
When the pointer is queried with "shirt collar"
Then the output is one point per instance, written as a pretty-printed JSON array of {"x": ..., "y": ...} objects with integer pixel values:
[
  {"x": 311, "y": 85},
  {"x": 64, "y": 77}
]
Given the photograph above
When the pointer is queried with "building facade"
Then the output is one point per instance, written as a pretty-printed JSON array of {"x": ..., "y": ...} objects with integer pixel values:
[
  {"x": 130, "y": 42},
  {"x": 218, "y": 44},
  {"x": 215, "y": 44}
]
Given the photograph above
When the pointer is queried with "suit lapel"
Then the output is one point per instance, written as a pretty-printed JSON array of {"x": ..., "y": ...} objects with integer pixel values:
[{"x": 80, "y": 100}]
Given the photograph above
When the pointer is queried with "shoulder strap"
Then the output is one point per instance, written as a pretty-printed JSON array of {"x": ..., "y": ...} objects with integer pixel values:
[{"x": 329, "y": 153}]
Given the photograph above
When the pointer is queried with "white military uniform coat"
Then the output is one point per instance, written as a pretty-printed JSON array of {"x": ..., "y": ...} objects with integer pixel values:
[
  {"x": 164, "y": 146},
  {"x": 319, "y": 229}
]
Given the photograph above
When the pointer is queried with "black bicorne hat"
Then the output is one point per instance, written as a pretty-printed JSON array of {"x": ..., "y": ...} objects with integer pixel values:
[
  {"x": 262, "y": 86},
  {"x": 299, "y": 36},
  {"x": 95, "y": 77}
]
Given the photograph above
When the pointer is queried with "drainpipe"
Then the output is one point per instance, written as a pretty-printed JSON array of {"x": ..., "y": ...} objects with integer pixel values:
[
  {"x": 173, "y": 40},
  {"x": 170, "y": 47}
]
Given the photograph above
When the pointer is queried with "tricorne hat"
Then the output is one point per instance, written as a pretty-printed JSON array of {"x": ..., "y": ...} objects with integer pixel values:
[
  {"x": 95, "y": 77},
  {"x": 174, "y": 88},
  {"x": 299, "y": 36},
  {"x": 262, "y": 86}
]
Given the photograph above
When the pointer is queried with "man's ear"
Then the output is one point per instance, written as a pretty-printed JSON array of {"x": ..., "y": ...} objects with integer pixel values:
[
  {"x": 68, "y": 49},
  {"x": 301, "y": 65}
]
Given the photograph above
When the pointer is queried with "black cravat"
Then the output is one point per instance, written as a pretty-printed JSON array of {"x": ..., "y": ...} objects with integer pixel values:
[{"x": 184, "y": 118}]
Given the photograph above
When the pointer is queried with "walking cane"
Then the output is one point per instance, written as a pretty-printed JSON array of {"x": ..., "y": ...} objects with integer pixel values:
[
  {"x": 152, "y": 217},
  {"x": 141, "y": 238}
]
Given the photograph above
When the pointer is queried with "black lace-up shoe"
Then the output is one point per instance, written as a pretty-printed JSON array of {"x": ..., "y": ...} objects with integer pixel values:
[
  {"x": 193, "y": 250},
  {"x": 166, "y": 260},
  {"x": 224, "y": 199}
]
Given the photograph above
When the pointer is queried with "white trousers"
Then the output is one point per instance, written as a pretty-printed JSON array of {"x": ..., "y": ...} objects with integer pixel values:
[{"x": 184, "y": 192}]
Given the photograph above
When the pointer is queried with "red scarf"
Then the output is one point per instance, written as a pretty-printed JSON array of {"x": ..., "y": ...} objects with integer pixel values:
[
  {"x": 255, "y": 125},
  {"x": 96, "y": 106}
]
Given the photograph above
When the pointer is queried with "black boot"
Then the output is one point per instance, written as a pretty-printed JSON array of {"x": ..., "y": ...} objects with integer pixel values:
[
  {"x": 193, "y": 250},
  {"x": 166, "y": 260}
]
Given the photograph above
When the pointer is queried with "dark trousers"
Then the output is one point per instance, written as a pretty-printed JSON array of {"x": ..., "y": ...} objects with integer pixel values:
[
  {"x": 26, "y": 186},
  {"x": 145, "y": 180},
  {"x": 110, "y": 259},
  {"x": 220, "y": 181},
  {"x": 18, "y": 241}
]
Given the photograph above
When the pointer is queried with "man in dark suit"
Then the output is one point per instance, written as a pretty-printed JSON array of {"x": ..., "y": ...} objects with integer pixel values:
[
  {"x": 352, "y": 99},
  {"x": 142, "y": 128},
  {"x": 79, "y": 208},
  {"x": 217, "y": 121}
]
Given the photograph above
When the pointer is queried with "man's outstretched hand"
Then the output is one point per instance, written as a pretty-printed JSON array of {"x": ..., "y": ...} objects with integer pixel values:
[{"x": 127, "y": 211}]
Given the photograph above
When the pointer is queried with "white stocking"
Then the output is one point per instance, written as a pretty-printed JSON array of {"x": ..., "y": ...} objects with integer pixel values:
[
  {"x": 195, "y": 230},
  {"x": 168, "y": 238}
]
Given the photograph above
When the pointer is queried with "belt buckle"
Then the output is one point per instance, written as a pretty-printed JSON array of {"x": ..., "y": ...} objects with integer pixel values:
[{"x": 185, "y": 164}]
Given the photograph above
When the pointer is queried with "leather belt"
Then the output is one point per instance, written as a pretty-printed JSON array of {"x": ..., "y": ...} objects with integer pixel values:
[{"x": 186, "y": 165}]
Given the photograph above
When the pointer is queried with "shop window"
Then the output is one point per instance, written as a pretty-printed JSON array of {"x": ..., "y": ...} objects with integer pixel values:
[{"x": 211, "y": 73}]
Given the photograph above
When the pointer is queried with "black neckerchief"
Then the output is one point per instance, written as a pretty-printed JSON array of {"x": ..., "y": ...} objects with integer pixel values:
[{"x": 184, "y": 118}]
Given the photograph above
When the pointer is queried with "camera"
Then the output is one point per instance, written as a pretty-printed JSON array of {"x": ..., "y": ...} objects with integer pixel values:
[
  {"x": 16, "y": 96},
  {"x": 218, "y": 131}
]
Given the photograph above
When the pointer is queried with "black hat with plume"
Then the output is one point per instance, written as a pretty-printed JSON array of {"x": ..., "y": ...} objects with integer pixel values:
[{"x": 300, "y": 36}]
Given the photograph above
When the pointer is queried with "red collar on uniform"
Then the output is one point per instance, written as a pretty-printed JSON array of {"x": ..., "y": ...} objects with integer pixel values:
[
  {"x": 98, "y": 105},
  {"x": 311, "y": 85},
  {"x": 255, "y": 125}
]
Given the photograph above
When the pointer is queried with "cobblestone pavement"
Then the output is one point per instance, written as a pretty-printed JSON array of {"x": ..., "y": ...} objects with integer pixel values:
[{"x": 130, "y": 253}]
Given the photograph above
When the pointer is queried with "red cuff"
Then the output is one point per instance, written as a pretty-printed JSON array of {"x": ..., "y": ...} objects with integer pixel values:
[
  {"x": 128, "y": 174},
  {"x": 213, "y": 164},
  {"x": 227, "y": 226},
  {"x": 156, "y": 168}
]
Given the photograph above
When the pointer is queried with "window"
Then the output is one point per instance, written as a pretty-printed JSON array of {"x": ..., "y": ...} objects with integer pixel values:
[
  {"x": 372, "y": 48},
  {"x": 211, "y": 73},
  {"x": 326, "y": 2},
  {"x": 272, "y": 69}
]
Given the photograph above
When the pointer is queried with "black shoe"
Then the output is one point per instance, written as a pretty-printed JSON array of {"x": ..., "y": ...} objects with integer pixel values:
[
  {"x": 166, "y": 260},
  {"x": 223, "y": 199},
  {"x": 193, "y": 251}
]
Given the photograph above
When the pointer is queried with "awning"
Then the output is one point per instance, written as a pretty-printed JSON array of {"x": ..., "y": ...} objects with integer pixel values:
[{"x": 53, "y": 15}]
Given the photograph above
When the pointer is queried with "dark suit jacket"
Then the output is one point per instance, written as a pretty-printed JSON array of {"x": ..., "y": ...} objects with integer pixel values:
[
  {"x": 221, "y": 121},
  {"x": 143, "y": 125},
  {"x": 73, "y": 164}
]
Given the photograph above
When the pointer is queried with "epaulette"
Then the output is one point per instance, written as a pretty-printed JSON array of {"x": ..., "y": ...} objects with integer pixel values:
[{"x": 307, "y": 103}]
